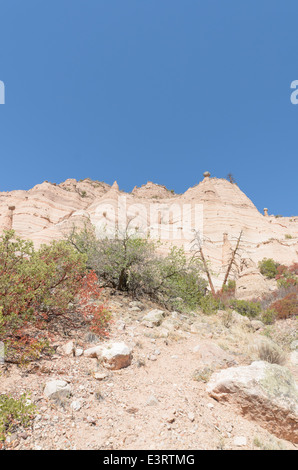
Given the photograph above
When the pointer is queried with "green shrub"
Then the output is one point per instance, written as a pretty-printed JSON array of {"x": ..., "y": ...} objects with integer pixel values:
[
  {"x": 230, "y": 287},
  {"x": 209, "y": 304},
  {"x": 268, "y": 267},
  {"x": 246, "y": 308},
  {"x": 268, "y": 316},
  {"x": 35, "y": 287},
  {"x": 14, "y": 413}
]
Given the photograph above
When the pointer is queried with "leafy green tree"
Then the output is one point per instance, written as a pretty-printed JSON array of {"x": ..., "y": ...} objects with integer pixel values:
[{"x": 131, "y": 263}]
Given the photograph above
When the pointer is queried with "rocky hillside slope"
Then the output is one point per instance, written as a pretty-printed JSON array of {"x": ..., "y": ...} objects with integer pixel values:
[{"x": 163, "y": 380}]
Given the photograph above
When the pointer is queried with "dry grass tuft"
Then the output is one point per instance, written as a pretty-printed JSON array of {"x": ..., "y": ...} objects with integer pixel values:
[{"x": 271, "y": 354}]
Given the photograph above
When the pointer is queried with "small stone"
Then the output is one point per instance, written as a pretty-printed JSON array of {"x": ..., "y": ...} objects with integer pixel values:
[
  {"x": 191, "y": 417},
  {"x": 75, "y": 406},
  {"x": 91, "y": 420},
  {"x": 153, "y": 318},
  {"x": 136, "y": 303},
  {"x": 162, "y": 333},
  {"x": 67, "y": 349},
  {"x": 240, "y": 441},
  {"x": 152, "y": 401},
  {"x": 79, "y": 352},
  {"x": 57, "y": 389},
  {"x": 100, "y": 375},
  {"x": 151, "y": 357},
  {"x": 121, "y": 325},
  {"x": 170, "y": 419},
  {"x": 134, "y": 309}
]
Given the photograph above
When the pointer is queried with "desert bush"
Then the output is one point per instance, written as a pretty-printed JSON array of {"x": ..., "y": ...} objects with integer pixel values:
[
  {"x": 294, "y": 268},
  {"x": 268, "y": 267},
  {"x": 14, "y": 413},
  {"x": 92, "y": 309},
  {"x": 131, "y": 263},
  {"x": 227, "y": 318},
  {"x": 36, "y": 286},
  {"x": 114, "y": 259},
  {"x": 268, "y": 316},
  {"x": 210, "y": 304},
  {"x": 287, "y": 276},
  {"x": 203, "y": 374},
  {"x": 178, "y": 282},
  {"x": 270, "y": 353},
  {"x": 278, "y": 294},
  {"x": 230, "y": 287},
  {"x": 246, "y": 308},
  {"x": 286, "y": 307},
  {"x": 225, "y": 294}
]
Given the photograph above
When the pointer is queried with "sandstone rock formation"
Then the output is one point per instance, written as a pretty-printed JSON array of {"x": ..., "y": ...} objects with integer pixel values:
[{"x": 217, "y": 207}]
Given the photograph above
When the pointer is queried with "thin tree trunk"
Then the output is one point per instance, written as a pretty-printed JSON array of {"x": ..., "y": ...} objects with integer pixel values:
[
  {"x": 232, "y": 259},
  {"x": 207, "y": 271}
]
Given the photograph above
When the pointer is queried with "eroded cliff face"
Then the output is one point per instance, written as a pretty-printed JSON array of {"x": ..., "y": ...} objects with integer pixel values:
[{"x": 216, "y": 207}]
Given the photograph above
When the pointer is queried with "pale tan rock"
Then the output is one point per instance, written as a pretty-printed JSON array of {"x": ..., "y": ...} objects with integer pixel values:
[
  {"x": 264, "y": 392},
  {"x": 153, "y": 318},
  {"x": 100, "y": 375},
  {"x": 238, "y": 319},
  {"x": 94, "y": 352},
  {"x": 211, "y": 354},
  {"x": 116, "y": 356},
  {"x": 66, "y": 349},
  {"x": 257, "y": 325},
  {"x": 57, "y": 389}
]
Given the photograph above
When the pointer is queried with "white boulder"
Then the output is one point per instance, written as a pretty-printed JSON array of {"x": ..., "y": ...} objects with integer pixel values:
[
  {"x": 57, "y": 389},
  {"x": 116, "y": 356},
  {"x": 264, "y": 392}
]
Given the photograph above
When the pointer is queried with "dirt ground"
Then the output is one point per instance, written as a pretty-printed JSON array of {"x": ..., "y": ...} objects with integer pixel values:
[{"x": 155, "y": 403}]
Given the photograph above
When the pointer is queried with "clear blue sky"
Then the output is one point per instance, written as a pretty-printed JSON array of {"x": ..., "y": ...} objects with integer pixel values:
[{"x": 151, "y": 90}]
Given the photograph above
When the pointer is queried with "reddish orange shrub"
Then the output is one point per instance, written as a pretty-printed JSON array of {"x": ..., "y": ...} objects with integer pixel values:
[
  {"x": 94, "y": 313},
  {"x": 286, "y": 307},
  {"x": 37, "y": 289}
]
